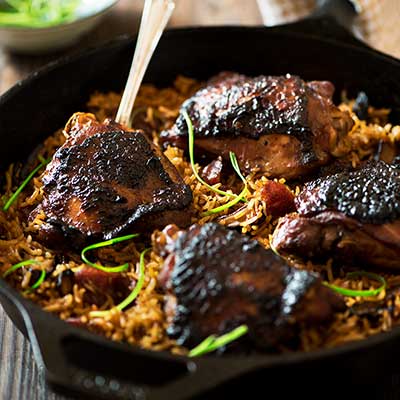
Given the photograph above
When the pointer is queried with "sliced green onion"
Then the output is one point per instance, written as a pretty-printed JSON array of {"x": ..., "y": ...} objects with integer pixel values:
[
  {"x": 42, "y": 159},
  {"x": 23, "y": 264},
  {"x": 19, "y": 265},
  {"x": 213, "y": 343},
  {"x": 235, "y": 165},
  {"x": 37, "y": 283},
  {"x": 15, "y": 195},
  {"x": 37, "y": 13},
  {"x": 362, "y": 293},
  {"x": 110, "y": 242},
  {"x": 192, "y": 163},
  {"x": 231, "y": 203},
  {"x": 134, "y": 293},
  {"x": 139, "y": 284},
  {"x": 202, "y": 347},
  {"x": 239, "y": 197}
]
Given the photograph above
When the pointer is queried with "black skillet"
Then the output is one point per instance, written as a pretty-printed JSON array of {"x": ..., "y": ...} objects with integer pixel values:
[{"x": 79, "y": 362}]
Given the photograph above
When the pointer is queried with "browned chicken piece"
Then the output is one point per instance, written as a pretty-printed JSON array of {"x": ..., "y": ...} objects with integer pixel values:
[
  {"x": 217, "y": 279},
  {"x": 352, "y": 216},
  {"x": 279, "y": 125},
  {"x": 105, "y": 181}
]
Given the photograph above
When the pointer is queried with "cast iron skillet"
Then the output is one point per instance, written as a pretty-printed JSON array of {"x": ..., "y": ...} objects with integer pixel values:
[{"x": 80, "y": 362}]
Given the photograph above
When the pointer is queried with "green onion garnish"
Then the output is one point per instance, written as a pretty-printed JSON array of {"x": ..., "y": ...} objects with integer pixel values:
[
  {"x": 134, "y": 293},
  {"x": 213, "y": 343},
  {"x": 192, "y": 163},
  {"x": 138, "y": 286},
  {"x": 110, "y": 242},
  {"x": 37, "y": 283},
  {"x": 11, "y": 200},
  {"x": 362, "y": 293},
  {"x": 235, "y": 165},
  {"x": 239, "y": 197},
  {"x": 231, "y": 203},
  {"x": 23, "y": 264},
  {"x": 37, "y": 13}
]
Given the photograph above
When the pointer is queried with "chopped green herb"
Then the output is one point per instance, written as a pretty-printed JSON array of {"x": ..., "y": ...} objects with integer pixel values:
[
  {"x": 37, "y": 13},
  {"x": 239, "y": 197},
  {"x": 110, "y": 242},
  {"x": 38, "y": 282},
  {"x": 213, "y": 343},
  {"x": 192, "y": 163},
  {"x": 235, "y": 165},
  {"x": 362, "y": 293},
  {"x": 23, "y": 264},
  {"x": 138, "y": 286},
  {"x": 15, "y": 195},
  {"x": 134, "y": 293},
  {"x": 19, "y": 265}
]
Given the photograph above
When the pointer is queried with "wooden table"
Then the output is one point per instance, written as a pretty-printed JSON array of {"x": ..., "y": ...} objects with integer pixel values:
[{"x": 20, "y": 378}]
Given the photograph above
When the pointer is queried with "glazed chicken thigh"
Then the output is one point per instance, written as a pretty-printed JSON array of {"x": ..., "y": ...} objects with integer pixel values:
[
  {"x": 217, "y": 279},
  {"x": 281, "y": 126},
  {"x": 106, "y": 180},
  {"x": 353, "y": 216}
]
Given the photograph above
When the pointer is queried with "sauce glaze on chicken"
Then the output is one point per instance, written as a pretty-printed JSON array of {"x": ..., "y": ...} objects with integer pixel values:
[
  {"x": 217, "y": 279},
  {"x": 353, "y": 216},
  {"x": 281, "y": 126},
  {"x": 106, "y": 180}
]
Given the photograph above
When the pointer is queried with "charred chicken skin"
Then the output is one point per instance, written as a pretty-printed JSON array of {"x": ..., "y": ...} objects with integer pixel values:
[
  {"x": 106, "y": 180},
  {"x": 217, "y": 279},
  {"x": 280, "y": 125},
  {"x": 353, "y": 216}
]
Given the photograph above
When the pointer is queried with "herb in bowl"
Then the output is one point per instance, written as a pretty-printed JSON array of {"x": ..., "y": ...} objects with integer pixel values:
[{"x": 37, "y": 13}]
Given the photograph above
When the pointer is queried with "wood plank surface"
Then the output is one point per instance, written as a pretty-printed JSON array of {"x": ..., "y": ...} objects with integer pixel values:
[{"x": 20, "y": 377}]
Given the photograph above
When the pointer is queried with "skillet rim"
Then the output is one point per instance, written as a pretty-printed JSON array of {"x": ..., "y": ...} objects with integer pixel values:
[{"x": 272, "y": 360}]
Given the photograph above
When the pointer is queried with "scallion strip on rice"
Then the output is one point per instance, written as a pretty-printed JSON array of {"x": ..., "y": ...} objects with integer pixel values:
[
  {"x": 19, "y": 265},
  {"x": 239, "y": 197},
  {"x": 134, "y": 293},
  {"x": 15, "y": 195},
  {"x": 23, "y": 264},
  {"x": 361, "y": 293},
  {"x": 139, "y": 283},
  {"x": 192, "y": 163},
  {"x": 213, "y": 343},
  {"x": 110, "y": 242},
  {"x": 42, "y": 277}
]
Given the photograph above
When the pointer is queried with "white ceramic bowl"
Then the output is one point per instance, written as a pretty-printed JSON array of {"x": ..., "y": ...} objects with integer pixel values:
[{"x": 43, "y": 40}]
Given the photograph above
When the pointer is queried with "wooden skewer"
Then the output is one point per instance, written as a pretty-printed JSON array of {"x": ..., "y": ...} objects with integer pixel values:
[{"x": 156, "y": 14}]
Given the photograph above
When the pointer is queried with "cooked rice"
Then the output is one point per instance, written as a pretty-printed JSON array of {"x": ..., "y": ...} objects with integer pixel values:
[{"x": 144, "y": 322}]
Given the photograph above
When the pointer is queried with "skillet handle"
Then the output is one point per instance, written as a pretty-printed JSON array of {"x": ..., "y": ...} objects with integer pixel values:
[{"x": 78, "y": 362}]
